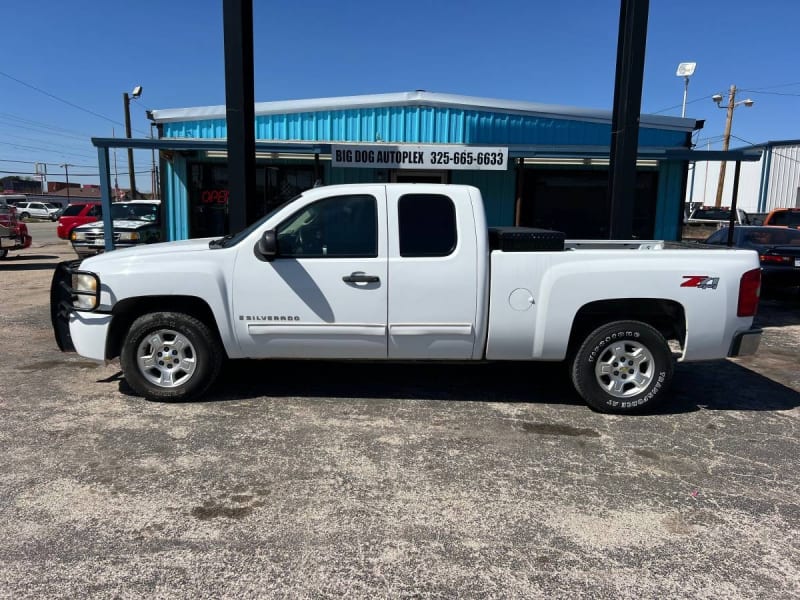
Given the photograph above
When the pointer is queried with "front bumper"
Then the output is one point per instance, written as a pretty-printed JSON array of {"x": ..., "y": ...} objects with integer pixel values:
[
  {"x": 86, "y": 249},
  {"x": 75, "y": 331},
  {"x": 745, "y": 343}
]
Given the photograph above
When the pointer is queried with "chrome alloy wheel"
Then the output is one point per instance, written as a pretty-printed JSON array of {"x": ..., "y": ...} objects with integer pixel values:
[
  {"x": 625, "y": 369},
  {"x": 166, "y": 358}
]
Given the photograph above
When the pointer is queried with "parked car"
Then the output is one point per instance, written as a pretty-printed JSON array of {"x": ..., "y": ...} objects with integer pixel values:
[
  {"x": 135, "y": 222},
  {"x": 13, "y": 233},
  {"x": 784, "y": 217},
  {"x": 778, "y": 252},
  {"x": 77, "y": 214},
  {"x": 713, "y": 215},
  {"x": 37, "y": 210}
]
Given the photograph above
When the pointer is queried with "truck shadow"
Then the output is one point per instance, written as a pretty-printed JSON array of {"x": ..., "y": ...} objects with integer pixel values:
[
  {"x": 715, "y": 385},
  {"x": 22, "y": 262}
]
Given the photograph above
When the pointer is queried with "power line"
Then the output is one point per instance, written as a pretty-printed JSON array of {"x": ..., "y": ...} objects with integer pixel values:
[
  {"x": 42, "y": 124},
  {"x": 67, "y": 102},
  {"x": 51, "y": 150},
  {"x": 770, "y": 93},
  {"x": 772, "y": 87},
  {"x": 71, "y": 174},
  {"x": 37, "y": 162},
  {"x": 680, "y": 105}
]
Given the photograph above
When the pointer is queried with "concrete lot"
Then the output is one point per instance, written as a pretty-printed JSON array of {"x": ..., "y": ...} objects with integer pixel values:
[{"x": 309, "y": 480}]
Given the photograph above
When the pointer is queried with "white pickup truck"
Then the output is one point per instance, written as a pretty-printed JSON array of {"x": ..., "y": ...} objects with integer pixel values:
[{"x": 408, "y": 272}]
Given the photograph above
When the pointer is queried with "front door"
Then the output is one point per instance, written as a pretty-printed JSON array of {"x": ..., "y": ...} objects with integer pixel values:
[{"x": 325, "y": 295}]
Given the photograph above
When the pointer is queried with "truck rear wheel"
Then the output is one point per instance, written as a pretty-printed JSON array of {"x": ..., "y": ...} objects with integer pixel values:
[
  {"x": 170, "y": 356},
  {"x": 3, "y": 253},
  {"x": 623, "y": 367}
]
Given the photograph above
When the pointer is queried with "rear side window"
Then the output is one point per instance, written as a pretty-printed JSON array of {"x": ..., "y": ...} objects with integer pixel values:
[
  {"x": 427, "y": 225},
  {"x": 780, "y": 218}
]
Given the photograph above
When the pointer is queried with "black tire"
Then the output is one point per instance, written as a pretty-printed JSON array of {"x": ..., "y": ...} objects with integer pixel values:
[
  {"x": 199, "y": 346},
  {"x": 611, "y": 385},
  {"x": 24, "y": 216},
  {"x": 3, "y": 253}
]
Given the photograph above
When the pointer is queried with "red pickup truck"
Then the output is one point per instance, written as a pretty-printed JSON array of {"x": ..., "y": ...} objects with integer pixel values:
[{"x": 13, "y": 233}]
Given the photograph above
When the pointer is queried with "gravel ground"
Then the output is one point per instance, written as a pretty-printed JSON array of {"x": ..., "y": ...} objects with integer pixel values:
[{"x": 314, "y": 480}]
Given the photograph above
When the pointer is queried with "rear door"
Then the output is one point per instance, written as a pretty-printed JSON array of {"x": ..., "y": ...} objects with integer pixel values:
[{"x": 433, "y": 275}]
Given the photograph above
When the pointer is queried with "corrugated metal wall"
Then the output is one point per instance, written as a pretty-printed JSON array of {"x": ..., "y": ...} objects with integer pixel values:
[
  {"x": 784, "y": 177},
  {"x": 415, "y": 124}
]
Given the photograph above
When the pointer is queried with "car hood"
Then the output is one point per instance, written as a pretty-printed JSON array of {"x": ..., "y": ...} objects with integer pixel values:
[
  {"x": 117, "y": 224},
  {"x": 147, "y": 251}
]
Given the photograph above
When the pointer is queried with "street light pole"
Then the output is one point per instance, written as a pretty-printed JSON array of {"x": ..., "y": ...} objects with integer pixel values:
[
  {"x": 126, "y": 101},
  {"x": 685, "y": 70},
  {"x": 726, "y": 139}
]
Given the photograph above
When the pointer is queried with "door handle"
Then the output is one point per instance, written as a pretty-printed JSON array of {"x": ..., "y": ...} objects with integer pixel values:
[{"x": 360, "y": 277}]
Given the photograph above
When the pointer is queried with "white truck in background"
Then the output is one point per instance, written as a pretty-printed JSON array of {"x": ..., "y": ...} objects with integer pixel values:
[{"x": 407, "y": 272}]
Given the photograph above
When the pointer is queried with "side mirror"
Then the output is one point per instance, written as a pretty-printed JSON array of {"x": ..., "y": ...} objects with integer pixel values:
[{"x": 267, "y": 247}]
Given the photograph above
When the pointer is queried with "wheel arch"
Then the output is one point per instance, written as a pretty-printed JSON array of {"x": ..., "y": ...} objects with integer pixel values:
[
  {"x": 125, "y": 312},
  {"x": 668, "y": 317}
]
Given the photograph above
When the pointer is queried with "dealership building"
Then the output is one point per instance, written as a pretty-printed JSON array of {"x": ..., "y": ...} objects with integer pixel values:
[{"x": 536, "y": 165}]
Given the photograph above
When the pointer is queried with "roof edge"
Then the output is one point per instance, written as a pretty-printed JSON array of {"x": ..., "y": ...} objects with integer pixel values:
[{"x": 421, "y": 98}]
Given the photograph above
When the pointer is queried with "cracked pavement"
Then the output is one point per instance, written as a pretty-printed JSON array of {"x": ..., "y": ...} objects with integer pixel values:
[{"x": 312, "y": 480}]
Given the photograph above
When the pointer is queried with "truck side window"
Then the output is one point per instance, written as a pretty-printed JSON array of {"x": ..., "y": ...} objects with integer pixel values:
[
  {"x": 427, "y": 225},
  {"x": 341, "y": 226}
]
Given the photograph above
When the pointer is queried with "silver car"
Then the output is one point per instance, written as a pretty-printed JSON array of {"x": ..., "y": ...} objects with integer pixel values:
[{"x": 37, "y": 210}]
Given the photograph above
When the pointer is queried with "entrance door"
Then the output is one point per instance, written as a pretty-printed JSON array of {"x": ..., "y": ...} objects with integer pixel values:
[
  {"x": 325, "y": 295},
  {"x": 402, "y": 176}
]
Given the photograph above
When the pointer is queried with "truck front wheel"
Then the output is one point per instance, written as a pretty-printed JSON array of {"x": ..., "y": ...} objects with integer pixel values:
[
  {"x": 170, "y": 356},
  {"x": 623, "y": 367}
]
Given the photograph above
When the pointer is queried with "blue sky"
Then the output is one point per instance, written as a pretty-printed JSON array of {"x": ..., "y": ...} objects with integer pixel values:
[{"x": 88, "y": 52}]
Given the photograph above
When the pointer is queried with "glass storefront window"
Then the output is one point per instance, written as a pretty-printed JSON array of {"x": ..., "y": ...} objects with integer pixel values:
[{"x": 209, "y": 193}]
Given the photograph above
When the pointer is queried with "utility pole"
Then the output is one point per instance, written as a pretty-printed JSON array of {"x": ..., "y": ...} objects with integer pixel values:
[
  {"x": 66, "y": 167},
  {"x": 726, "y": 139}
]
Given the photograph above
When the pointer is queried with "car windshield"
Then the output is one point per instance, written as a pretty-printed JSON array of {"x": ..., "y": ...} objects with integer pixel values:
[
  {"x": 788, "y": 218},
  {"x": 769, "y": 236},
  {"x": 134, "y": 212}
]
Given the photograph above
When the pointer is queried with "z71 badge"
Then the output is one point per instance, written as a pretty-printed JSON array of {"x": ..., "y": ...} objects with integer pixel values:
[{"x": 703, "y": 282}]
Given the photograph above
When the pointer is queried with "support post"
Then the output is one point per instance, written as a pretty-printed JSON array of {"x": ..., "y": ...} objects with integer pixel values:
[
  {"x": 105, "y": 196},
  {"x": 240, "y": 112},
  {"x": 625, "y": 120},
  {"x": 734, "y": 201}
]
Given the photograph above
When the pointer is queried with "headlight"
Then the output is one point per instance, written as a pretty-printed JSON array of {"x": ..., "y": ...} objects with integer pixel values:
[
  {"x": 77, "y": 235},
  {"x": 86, "y": 290},
  {"x": 128, "y": 236}
]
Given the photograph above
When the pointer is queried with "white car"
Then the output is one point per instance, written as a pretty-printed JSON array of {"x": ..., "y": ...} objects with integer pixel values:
[{"x": 37, "y": 210}]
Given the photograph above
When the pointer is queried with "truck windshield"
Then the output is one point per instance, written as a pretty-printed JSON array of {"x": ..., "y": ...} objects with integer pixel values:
[{"x": 135, "y": 212}]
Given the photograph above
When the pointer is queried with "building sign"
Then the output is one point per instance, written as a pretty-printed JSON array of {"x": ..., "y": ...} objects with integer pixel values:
[{"x": 409, "y": 156}]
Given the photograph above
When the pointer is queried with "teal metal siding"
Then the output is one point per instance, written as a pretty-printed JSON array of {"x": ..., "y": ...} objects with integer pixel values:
[
  {"x": 669, "y": 200},
  {"x": 414, "y": 124},
  {"x": 498, "y": 189},
  {"x": 177, "y": 208}
]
